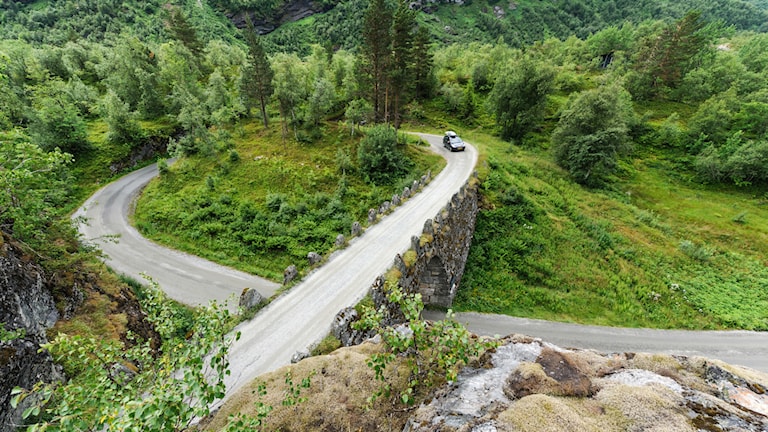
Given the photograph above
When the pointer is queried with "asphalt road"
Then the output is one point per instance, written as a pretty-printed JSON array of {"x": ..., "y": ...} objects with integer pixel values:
[
  {"x": 303, "y": 316},
  {"x": 297, "y": 319},
  {"x": 183, "y": 277},
  {"x": 738, "y": 347}
]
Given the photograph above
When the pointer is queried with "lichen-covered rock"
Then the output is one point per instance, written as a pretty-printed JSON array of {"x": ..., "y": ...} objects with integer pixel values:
[
  {"x": 341, "y": 328},
  {"x": 290, "y": 274},
  {"x": 529, "y": 385},
  {"x": 314, "y": 258},
  {"x": 384, "y": 208}
]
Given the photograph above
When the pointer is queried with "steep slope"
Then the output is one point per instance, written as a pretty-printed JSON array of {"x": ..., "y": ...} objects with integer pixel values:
[
  {"x": 35, "y": 302},
  {"x": 525, "y": 385}
]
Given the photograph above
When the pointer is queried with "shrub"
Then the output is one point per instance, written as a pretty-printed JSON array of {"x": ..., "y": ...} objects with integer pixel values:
[
  {"x": 694, "y": 251},
  {"x": 378, "y": 156},
  {"x": 162, "y": 167},
  {"x": 234, "y": 156}
]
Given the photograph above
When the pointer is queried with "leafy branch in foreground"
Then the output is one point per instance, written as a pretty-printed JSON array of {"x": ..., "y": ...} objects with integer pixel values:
[
  {"x": 431, "y": 350},
  {"x": 138, "y": 388}
]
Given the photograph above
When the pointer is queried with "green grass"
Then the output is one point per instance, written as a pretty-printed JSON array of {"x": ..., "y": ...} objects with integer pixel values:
[
  {"x": 651, "y": 252},
  {"x": 271, "y": 205}
]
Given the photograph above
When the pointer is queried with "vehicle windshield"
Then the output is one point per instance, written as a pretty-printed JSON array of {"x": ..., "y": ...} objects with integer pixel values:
[{"x": 455, "y": 139}]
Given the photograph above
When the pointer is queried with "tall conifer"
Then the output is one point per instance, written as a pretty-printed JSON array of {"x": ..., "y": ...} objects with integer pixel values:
[
  {"x": 376, "y": 48},
  {"x": 257, "y": 76}
]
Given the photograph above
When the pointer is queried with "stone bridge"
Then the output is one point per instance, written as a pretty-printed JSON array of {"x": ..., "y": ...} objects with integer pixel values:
[
  {"x": 435, "y": 263},
  {"x": 433, "y": 266}
]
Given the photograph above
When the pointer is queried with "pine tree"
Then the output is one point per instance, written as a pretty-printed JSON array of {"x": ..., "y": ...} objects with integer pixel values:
[
  {"x": 180, "y": 29},
  {"x": 400, "y": 75},
  {"x": 422, "y": 64},
  {"x": 376, "y": 51},
  {"x": 257, "y": 76},
  {"x": 664, "y": 59}
]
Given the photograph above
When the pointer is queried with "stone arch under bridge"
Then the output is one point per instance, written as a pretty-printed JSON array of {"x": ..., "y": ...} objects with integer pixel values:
[
  {"x": 436, "y": 266},
  {"x": 436, "y": 286}
]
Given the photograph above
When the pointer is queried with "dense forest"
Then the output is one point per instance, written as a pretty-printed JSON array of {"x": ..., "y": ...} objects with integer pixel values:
[
  {"x": 624, "y": 144},
  {"x": 689, "y": 87}
]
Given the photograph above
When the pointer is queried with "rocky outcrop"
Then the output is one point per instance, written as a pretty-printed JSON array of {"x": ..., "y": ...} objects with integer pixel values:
[
  {"x": 525, "y": 384},
  {"x": 291, "y": 10},
  {"x": 530, "y": 385},
  {"x": 31, "y": 302},
  {"x": 151, "y": 147},
  {"x": 27, "y": 310}
]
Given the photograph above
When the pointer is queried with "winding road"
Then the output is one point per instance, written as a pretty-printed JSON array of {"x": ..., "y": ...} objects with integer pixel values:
[
  {"x": 103, "y": 222},
  {"x": 299, "y": 318}
]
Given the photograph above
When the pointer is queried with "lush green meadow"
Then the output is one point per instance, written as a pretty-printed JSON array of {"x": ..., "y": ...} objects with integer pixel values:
[{"x": 652, "y": 251}]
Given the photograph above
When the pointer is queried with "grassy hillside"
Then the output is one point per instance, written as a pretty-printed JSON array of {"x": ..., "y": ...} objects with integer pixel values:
[
  {"x": 653, "y": 251},
  {"x": 267, "y": 202}
]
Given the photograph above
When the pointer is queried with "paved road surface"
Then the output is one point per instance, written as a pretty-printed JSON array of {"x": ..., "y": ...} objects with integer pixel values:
[
  {"x": 303, "y": 316},
  {"x": 737, "y": 347},
  {"x": 183, "y": 277},
  {"x": 297, "y": 319}
]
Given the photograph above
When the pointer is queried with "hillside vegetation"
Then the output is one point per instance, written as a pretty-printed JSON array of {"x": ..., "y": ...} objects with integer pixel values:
[
  {"x": 623, "y": 165},
  {"x": 603, "y": 139},
  {"x": 264, "y": 207}
]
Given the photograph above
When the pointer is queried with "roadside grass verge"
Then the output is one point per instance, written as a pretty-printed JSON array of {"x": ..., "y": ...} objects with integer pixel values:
[
  {"x": 650, "y": 252},
  {"x": 265, "y": 203}
]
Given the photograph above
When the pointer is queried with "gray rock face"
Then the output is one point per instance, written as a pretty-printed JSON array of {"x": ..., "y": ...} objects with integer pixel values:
[
  {"x": 340, "y": 241},
  {"x": 250, "y": 298},
  {"x": 371, "y": 216},
  {"x": 343, "y": 331},
  {"x": 26, "y": 305},
  {"x": 292, "y": 10}
]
